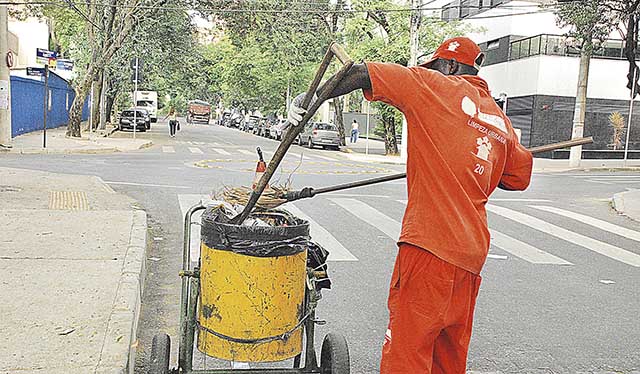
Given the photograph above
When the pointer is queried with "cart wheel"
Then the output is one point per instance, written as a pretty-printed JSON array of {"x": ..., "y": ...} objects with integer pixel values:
[
  {"x": 160, "y": 349},
  {"x": 334, "y": 358}
]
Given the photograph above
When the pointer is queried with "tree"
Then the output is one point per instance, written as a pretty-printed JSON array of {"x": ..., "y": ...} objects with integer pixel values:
[
  {"x": 384, "y": 36},
  {"x": 588, "y": 20}
]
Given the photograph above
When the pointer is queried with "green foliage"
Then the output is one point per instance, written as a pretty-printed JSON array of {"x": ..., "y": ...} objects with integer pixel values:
[{"x": 588, "y": 20}]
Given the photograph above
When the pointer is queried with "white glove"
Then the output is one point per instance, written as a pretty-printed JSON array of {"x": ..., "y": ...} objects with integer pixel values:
[{"x": 296, "y": 112}]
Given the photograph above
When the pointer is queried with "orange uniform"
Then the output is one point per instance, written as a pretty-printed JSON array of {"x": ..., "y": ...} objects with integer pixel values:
[{"x": 460, "y": 148}]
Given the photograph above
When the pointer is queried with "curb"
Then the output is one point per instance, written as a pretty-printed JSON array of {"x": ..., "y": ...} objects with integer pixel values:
[
  {"x": 630, "y": 210},
  {"x": 119, "y": 347},
  {"x": 44, "y": 151}
]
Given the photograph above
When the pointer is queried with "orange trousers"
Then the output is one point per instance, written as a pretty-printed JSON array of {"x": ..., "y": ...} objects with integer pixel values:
[{"x": 431, "y": 304}]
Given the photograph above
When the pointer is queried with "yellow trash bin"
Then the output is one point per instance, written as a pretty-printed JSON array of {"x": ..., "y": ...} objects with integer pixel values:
[{"x": 252, "y": 287}]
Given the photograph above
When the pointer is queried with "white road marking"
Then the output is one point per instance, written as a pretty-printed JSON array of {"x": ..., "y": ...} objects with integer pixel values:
[
  {"x": 337, "y": 252},
  {"x": 221, "y": 151},
  {"x": 522, "y": 200},
  {"x": 497, "y": 257},
  {"x": 358, "y": 195},
  {"x": 594, "y": 245},
  {"x": 597, "y": 223},
  {"x": 216, "y": 144},
  {"x": 168, "y": 149},
  {"x": 147, "y": 185},
  {"x": 325, "y": 158},
  {"x": 195, "y": 150},
  {"x": 610, "y": 181},
  {"x": 605, "y": 176},
  {"x": 524, "y": 251},
  {"x": 371, "y": 216},
  {"x": 600, "y": 182},
  {"x": 248, "y": 153},
  {"x": 403, "y": 201}
]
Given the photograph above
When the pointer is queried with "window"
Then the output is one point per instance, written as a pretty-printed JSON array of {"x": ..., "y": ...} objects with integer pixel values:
[
  {"x": 493, "y": 44},
  {"x": 524, "y": 48},
  {"x": 464, "y": 8},
  {"x": 535, "y": 46},
  {"x": 515, "y": 50}
]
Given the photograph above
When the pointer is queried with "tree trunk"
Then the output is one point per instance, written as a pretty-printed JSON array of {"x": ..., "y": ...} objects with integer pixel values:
[
  {"x": 581, "y": 102},
  {"x": 95, "y": 104},
  {"x": 390, "y": 142},
  {"x": 337, "y": 105},
  {"x": 110, "y": 100},
  {"x": 75, "y": 113}
]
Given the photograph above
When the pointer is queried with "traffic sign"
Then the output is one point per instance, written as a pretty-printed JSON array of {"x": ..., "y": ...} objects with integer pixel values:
[
  {"x": 44, "y": 56},
  {"x": 36, "y": 72},
  {"x": 136, "y": 65},
  {"x": 10, "y": 59}
]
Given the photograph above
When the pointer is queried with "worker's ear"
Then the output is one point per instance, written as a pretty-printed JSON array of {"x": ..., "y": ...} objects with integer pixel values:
[{"x": 453, "y": 67}]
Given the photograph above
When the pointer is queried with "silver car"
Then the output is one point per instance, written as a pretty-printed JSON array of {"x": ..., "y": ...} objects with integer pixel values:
[{"x": 320, "y": 134}]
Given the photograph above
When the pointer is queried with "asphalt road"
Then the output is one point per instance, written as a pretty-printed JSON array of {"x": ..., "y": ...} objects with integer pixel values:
[{"x": 560, "y": 291}]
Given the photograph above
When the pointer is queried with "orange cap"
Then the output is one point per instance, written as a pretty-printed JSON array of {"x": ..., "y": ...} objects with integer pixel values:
[{"x": 462, "y": 49}]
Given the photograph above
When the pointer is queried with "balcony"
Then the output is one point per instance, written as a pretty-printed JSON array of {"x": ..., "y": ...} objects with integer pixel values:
[{"x": 559, "y": 45}]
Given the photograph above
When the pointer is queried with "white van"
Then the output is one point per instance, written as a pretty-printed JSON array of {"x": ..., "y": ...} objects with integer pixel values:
[{"x": 149, "y": 101}]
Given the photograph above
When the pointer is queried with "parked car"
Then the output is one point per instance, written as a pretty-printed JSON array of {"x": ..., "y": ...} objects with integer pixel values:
[
  {"x": 250, "y": 124},
  {"x": 224, "y": 118},
  {"x": 148, "y": 117},
  {"x": 259, "y": 127},
  {"x": 320, "y": 134},
  {"x": 265, "y": 129},
  {"x": 126, "y": 119},
  {"x": 275, "y": 132}
]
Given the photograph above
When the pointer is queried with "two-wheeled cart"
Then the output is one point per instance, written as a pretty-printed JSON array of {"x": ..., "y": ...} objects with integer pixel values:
[{"x": 278, "y": 293}]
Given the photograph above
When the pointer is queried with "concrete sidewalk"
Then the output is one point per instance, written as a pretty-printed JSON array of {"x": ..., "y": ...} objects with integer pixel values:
[
  {"x": 628, "y": 204},
  {"x": 72, "y": 263},
  {"x": 58, "y": 143}
]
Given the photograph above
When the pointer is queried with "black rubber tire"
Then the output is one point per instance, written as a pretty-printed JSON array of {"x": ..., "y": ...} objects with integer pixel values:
[
  {"x": 334, "y": 358},
  {"x": 310, "y": 143},
  {"x": 159, "y": 358}
]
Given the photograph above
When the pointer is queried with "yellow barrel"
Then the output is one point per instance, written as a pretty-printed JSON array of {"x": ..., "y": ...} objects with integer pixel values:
[{"x": 252, "y": 285}]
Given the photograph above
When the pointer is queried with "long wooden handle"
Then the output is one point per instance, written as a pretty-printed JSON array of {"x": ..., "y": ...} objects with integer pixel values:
[
  {"x": 560, "y": 145},
  {"x": 310, "y": 192},
  {"x": 333, "y": 50}
]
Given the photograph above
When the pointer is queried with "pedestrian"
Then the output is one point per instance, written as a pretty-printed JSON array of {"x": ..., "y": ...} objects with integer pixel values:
[
  {"x": 355, "y": 131},
  {"x": 461, "y": 147},
  {"x": 173, "y": 121}
]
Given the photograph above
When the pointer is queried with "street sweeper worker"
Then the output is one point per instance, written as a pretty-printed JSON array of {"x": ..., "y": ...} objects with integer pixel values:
[{"x": 461, "y": 147}]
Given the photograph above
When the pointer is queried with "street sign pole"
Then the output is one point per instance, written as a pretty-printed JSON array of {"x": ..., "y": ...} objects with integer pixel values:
[
  {"x": 46, "y": 105},
  {"x": 633, "y": 94},
  {"x": 368, "y": 115},
  {"x": 136, "y": 77}
]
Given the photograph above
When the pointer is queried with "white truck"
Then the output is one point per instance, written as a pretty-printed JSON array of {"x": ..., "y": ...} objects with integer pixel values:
[{"x": 149, "y": 101}]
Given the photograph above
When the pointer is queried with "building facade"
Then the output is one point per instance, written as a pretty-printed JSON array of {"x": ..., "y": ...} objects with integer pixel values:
[{"x": 531, "y": 61}]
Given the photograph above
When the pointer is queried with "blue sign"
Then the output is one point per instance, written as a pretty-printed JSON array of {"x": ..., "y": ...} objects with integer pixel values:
[
  {"x": 64, "y": 64},
  {"x": 36, "y": 72},
  {"x": 44, "y": 56}
]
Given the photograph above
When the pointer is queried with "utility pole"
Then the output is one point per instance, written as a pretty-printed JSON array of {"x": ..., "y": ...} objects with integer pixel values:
[
  {"x": 414, "y": 45},
  {"x": 5, "y": 79},
  {"x": 575, "y": 155}
]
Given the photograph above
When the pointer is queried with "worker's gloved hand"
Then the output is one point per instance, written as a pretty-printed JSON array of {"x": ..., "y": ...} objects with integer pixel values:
[{"x": 296, "y": 112}]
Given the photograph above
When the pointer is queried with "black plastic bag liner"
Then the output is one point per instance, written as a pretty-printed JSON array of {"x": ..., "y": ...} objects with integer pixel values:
[{"x": 289, "y": 237}]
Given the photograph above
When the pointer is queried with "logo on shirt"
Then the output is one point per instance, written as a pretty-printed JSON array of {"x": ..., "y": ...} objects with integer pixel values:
[
  {"x": 453, "y": 46},
  {"x": 471, "y": 109},
  {"x": 483, "y": 148}
]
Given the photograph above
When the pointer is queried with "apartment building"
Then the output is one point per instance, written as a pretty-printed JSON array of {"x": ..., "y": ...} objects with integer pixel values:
[{"x": 532, "y": 62}]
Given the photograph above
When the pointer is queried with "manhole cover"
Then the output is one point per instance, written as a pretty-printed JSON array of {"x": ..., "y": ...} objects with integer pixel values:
[{"x": 10, "y": 189}]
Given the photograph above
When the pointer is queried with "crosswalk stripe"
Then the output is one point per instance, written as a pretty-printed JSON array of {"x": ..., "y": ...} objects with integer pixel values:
[
  {"x": 195, "y": 150},
  {"x": 524, "y": 251},
  {"x": 605, "y": 176},
  {"x": 598, "y": 223},
  {"x": 168, "y": 149},
  {"x": 337, "y": 252},
  {"x": 216, "y": 144},
  {"x": 403, "y": 201},
  {"x": 613, "y": 181},
  {"x": 371, "y": 216},
  {"x": 594, "y": 245},
  {"x": 221, "y": 151},
  {"x": 245, "y": 152}
]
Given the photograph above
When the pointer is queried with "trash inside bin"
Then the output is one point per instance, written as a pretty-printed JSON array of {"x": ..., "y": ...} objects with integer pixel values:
[{"x": 252, "y": 282}]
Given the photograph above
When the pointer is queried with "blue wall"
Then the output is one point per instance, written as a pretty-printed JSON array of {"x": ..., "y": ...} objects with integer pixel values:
[{"x": 27, "y": 101}]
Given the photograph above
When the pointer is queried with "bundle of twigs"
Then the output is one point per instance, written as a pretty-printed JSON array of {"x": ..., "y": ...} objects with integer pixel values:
[{"x": 270, "y": 198}]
